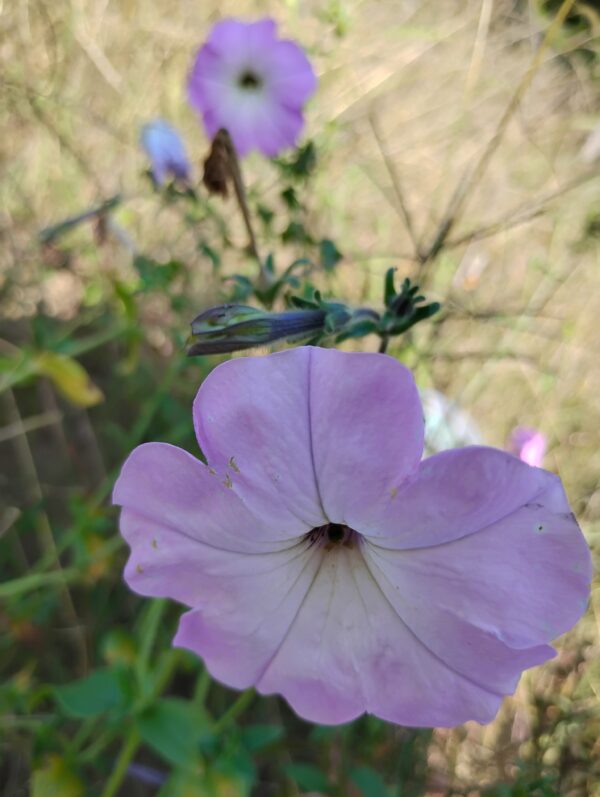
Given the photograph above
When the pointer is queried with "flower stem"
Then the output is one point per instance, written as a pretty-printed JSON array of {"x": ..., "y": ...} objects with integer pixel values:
[
  {"x": 150, "y": 627},
  {"x": 234, "y": 710},
  {"x": 130, "y": 746},
  {"x": 384, "y": 344},
  {"x": 202, "y": 687},
  {"x": 240, "y": 194}
]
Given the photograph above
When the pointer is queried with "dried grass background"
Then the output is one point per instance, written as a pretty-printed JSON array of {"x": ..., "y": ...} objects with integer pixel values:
[{"x": 410, "y": 95}]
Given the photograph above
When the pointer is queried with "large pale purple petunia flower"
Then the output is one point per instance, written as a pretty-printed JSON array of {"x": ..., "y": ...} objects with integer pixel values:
[
  {"x": 253, "y": 84},
  {"x": 166, "y": 150},
  {"x": 322, "y": 560}
]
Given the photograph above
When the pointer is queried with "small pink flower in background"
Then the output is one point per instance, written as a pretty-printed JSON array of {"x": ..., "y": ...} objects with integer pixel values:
[
  {"x": 253, "y": 84},
  {"x": 166, "y": 151},
  {"x": 322, "y": 560},
  {"x": 529, "y": 445}
]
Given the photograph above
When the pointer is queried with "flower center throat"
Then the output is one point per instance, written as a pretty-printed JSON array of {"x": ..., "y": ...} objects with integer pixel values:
[
  {"x": 249, "y": 80},
  {"x": 331, "y": 535}
]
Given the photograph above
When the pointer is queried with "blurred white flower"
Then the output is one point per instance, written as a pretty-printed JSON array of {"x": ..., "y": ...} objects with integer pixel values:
[{"x": 446, "y": 424}]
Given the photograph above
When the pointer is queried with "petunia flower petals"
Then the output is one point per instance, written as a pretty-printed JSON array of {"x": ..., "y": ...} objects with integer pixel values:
[
  {"x": 524, "y": 578},
  {"x": 323, "y": 562},
  {"x": 320, "y": 434},
  {"x": 163, "y": 483},
  {"x": 349, "y": 651},
  {"x": 248, "y": 81},
  {"x": 473, "y": 488}
]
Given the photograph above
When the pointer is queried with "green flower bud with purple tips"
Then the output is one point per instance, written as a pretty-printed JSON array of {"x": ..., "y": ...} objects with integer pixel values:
[{"x": 235, "y": 327}]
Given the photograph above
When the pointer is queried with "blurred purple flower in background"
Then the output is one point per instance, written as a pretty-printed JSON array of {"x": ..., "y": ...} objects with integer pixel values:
[
  {"x": 253, "y": 84},
  {"x": 163, "y": 145},
  {"x": 528, "y": 444},
  {"x": 322, "y": 560}
]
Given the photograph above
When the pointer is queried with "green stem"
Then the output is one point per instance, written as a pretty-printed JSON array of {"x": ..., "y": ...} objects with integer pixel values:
[
  {"x": 130, "y": 746},
  {"x": 85, "y": 731},
  {"x": 202, "y": 687},
  {"x": 165, "y": 672},
  {"x": 148, "y": 634},
  {"x": 240, "y": 705},
  {"x": 25, "y": 584}
]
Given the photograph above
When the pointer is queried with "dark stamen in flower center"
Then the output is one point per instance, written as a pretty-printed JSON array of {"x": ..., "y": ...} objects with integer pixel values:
[
  {"x": 336, "y": 532},
  {"x": 249, "y": 80},
  {"x": 332, "y": 534}
]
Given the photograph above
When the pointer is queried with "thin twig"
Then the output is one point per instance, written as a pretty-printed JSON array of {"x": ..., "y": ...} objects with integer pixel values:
[
  {"x": 471, "y": 178},
  {"x": 30, "y": 424},
  {"x": 396, "y": 182},
  {"x": 48, "y": 234},
  {"x": 521, "y": 214},
  {"x": 483, "y": 28}
]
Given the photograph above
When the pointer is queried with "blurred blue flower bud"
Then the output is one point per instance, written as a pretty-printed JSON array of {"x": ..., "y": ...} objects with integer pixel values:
[{"x": 166, "y": 151}]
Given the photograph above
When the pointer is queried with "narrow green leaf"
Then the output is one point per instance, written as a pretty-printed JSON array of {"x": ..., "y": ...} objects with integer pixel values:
[{"x": 389, "y": 292}]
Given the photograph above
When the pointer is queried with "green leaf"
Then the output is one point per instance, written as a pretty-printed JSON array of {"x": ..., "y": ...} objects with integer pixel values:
[
  {"x": 123, "y": 293},
  {"x": 265, "y": 214},
  {"x": 256, "y": 737},
  {"x": 369, "y": 782},
  {"x": 330, "y": 254},
  {"x": 154, "y": 275},
  {"x": 175, "y": 729},
  {"x": 308, "y": 777},
  {"x": 103, "y": 690},
  {"x": 296, "y": 232},
  {"x": 290, "y": 198},
  {"x": 302, "y": 163},
  {"x": 270, "y": 263},
  {"x": 389, "y": 293},
  {"x": 359, "y": 329},
  {"x": 210, "y": 253},
  {"x": 302, "y": 303}
]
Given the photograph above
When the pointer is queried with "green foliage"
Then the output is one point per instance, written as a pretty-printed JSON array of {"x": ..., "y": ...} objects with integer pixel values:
[
  {"x": 330, "y": 254},
  {"x": 106, "y": 689},
  {"x": 257, "y": 737},
  {"x": 308, "y": 777},
  {"x": 156, "y": 276},
  {"x": 369, "y": 782},
  {"x": 175, "y": 729}
]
